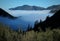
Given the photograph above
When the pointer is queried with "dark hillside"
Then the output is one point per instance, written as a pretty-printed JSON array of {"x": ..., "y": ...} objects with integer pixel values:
[
  {"x": 52, "y": 22},
  {"x": 3, "y": 13}
]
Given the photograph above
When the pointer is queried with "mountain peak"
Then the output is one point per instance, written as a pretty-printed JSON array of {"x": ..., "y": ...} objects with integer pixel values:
[{"x": 25, "y": 5}]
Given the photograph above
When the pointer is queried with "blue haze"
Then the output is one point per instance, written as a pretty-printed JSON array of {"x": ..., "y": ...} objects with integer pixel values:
[{"x": 25, "y": 18}]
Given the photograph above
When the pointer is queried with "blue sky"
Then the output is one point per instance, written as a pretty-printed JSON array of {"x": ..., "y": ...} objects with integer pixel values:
[{"x": 14, "y": 3}]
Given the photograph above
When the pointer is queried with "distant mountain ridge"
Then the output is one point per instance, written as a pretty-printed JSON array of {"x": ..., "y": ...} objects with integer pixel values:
[
  {"x": 3, "y": 13},
  {"x": 53, "y": 8},
  {"x": 27, "y": 7}
]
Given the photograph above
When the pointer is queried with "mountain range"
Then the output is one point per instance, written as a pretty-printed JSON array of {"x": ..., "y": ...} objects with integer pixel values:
[
  {"x": 53, "y": 8},
  {"x": 27, "y": 7}
]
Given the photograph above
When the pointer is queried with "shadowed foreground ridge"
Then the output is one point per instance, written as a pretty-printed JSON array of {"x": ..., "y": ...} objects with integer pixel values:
[
  {"x": 52, "y": 22},
  {"x": 3, "y": 13}
]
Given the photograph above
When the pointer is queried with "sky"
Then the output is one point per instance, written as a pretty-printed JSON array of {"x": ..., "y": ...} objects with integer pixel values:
[{"x": 14, "y": 3}]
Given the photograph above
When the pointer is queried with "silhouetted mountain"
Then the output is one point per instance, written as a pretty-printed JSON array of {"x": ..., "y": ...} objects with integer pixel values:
[
  {"x": 27, "y": 7},
  {"x": 3, "y": 13},
  {"x": 54, "y": 8},
  {"x": 51, "y": 22}
]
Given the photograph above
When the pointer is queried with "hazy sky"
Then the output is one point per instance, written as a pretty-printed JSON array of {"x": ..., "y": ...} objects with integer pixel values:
[{"x": 14, "y": 3}]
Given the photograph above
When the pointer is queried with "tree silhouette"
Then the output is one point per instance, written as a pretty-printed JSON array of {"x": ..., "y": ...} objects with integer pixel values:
[{"x": 29, "y": 27}]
